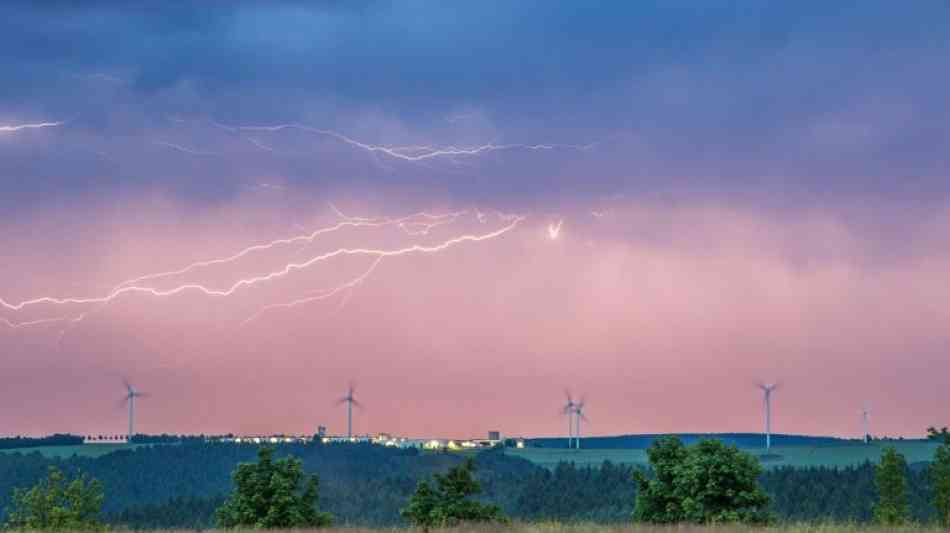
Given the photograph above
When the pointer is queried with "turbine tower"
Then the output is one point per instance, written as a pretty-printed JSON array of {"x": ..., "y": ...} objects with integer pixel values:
[
  {"x": 578, "y": 416},
  {"x": 129, "y": 398},
  {"x": 767, "y": 388},
  {"x": 866, "y": 420},
  {"x": 350, "y": 401},
  {"x": 569, "y": 410}
]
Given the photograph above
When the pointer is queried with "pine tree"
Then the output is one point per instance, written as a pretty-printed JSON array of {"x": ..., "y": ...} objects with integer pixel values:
[
  {"x": 422, "y": 504},
  {"x": 893, "y": 507},
  {"x": 940, "y": 478}
]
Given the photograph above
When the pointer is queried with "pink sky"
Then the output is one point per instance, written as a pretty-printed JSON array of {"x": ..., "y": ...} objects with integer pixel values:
[{"x": 664, "y": 317}]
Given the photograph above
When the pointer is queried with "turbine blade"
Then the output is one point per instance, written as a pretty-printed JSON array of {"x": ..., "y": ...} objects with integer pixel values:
[{"x": 356, "y": 403}]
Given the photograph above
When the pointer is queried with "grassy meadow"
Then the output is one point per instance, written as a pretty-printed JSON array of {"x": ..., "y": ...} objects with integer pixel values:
[
  {"x": 82, "y": 450},
  {"x": 837, "y": 455}
]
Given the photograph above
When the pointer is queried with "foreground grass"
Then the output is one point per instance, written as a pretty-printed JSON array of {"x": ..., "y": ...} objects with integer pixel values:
[{"x": 554, "y": 527}]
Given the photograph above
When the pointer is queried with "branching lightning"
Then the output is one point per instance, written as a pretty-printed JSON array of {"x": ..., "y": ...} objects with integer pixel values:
[
  {"x": 430, "y": 221},
  {"x": 412, "y": 225},
  {"x": 414, "y": 153},
  {"x": 321, "y": 295}
]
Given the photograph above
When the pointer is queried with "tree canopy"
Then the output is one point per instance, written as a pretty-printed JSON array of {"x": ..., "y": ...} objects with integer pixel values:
[
  {"x": 55, "y": 504},
  {"x": 449, "y": 502},
  {"x": 708, "y": 482},
  {"x": 272, "y": 494}
]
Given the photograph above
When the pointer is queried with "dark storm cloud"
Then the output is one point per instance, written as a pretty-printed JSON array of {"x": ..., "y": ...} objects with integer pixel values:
[{"x": 753, "y": 97}]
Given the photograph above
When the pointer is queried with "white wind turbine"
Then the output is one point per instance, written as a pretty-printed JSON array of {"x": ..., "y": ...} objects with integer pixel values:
[
  {"x": 767, "y": 389},
  {"x": 129, "y": 398},
  {"x": 578, "y": 416},
  {"x": 866, "y": 421},
  {"x": 569, "y": 410},
  {"x": 350, "y": 401}
]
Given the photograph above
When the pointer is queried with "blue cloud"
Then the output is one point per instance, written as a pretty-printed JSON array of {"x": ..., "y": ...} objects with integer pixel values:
[{"x": 807, "y": 97}]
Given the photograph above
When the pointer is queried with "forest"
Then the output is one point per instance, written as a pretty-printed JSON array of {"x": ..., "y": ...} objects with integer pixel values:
[{"x": 180, "y": 485}]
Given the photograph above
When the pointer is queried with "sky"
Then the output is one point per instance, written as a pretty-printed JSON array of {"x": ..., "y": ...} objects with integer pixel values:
[{"x": 466, "y": 210}]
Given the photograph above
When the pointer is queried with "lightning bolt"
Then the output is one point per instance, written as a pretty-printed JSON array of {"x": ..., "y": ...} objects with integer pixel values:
[
  {"x": 321, "y": 295},
  {"x": 183, "y": 149},
  {"x": 403, "y": 222},
  {"x": 413, "y": 153},
  {"x": 34, "y": 126},
  {"x": 136, "y": 286}
]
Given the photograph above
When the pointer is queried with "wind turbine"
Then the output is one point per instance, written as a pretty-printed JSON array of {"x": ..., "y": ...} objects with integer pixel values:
[
  {"x": 570, "y": 411},
  {"x": 579, "y": 415},
  {"x": 767, "y": 388},
  {"x": 129, "y": 398},
  {"x": 866, "y": 419},
  {"x": 350, "y": 401}
]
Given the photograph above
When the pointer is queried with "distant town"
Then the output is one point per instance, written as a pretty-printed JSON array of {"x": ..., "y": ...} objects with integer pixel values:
[{"x": 494, "y": 439}]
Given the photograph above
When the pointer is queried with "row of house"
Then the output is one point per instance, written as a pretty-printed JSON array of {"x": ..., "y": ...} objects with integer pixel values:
[{"x": 381, "y": 439}]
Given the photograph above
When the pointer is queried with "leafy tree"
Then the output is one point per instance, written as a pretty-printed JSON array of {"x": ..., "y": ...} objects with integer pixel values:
[
  {"x": 54, "y": 504},
  {"x": 272, "y": 494},
  {"x": 719, "y": 483},
  {"x": 449, "y": 503},
  {"x": 656, "y": 500},
  {"x": 705, "y": 483},
  {"x": 891, "y": 479},
  {"x": 940, "y": 478}
]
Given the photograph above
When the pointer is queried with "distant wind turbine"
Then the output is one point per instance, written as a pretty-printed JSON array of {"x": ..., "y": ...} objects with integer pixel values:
[
  {"x": 350, "y": 401},
  {"x": 569, "y": 410},
  {"x": 768, "y": 388},
  {"x": 129, "y": 398},
  {"x": 578, "y": 416},
  {"x": 866, "y": 420}
]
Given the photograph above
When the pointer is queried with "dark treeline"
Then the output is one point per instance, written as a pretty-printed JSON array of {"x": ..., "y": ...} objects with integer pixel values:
[
  {"x": 180, "y": 485},
  {"x": 839, "y": 494},
  {"x": 59, "y": 439}
]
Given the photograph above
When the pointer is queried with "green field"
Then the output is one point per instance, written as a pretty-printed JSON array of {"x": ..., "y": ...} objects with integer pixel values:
[
  {"x": 83, "y": 450},
  {"x": 845, "y": 454}
]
